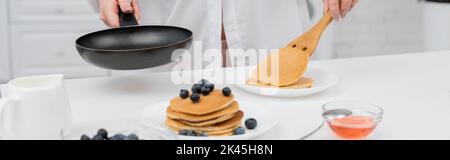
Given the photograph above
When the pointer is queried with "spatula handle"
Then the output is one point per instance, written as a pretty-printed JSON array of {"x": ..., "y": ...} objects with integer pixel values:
[
  {"x": 127, "y": 19},
  {"x": 309, "y": 40}
]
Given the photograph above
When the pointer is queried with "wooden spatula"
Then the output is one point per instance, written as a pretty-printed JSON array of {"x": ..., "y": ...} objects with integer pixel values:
[
  {"x": 289, "y": 64},
  {"x": 309, "y": 40}
]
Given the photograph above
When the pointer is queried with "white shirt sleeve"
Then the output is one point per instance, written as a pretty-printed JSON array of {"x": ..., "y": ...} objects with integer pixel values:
[{"x": 94, "y": 4}]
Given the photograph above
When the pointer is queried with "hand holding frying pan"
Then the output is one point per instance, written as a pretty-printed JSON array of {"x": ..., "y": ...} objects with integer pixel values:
[
  {"x": 127, "y": 19},
  {"x": 131, "y": 46},
  {"x": 290, "y": 63}
]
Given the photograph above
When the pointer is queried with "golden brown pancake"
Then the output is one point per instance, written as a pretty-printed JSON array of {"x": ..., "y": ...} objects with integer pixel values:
[
  {"x": 210, "y": 122},
  {"x": 213, "y": 102},
  {"x": 236, "y": 120},
  {"x": 221, "y": 135},
  {"x": 225, "y": 132},
  {"x": 233, "y": 108},
  {"x": 303, "y": 82},
  {"x": 283, "y": 68}
]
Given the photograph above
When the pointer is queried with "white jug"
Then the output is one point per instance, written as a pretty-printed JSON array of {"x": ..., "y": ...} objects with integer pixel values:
[{"x": 34, "y": 108}]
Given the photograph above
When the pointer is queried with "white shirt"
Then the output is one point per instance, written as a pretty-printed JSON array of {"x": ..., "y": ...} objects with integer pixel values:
[{"x": 249, "y": 24}]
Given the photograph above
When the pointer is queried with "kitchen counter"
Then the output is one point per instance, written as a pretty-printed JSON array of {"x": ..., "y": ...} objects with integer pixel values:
[{"x": 413, "y": 89}]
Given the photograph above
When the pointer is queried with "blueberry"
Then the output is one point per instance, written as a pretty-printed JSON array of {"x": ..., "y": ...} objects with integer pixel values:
[
  {"x": 195, "y": 98},
  {"x": 98, "y": 137},
  {"x": 196, "y": 88},
  {"x": 239, "y": 131},
  {"x": 118, "y": 137},
  {"x": 85, "y": 137},
  {"x": 203, "y": 134},
  {"x": 226, "y": 91},
  {"x": 251, "y": 123},
  {"x": 132, "y": 137},
  {"x": 184, "y": 93},
  {"x": 205, "y": 90},
  {"x": 203, "y": 82},
  {"x": 210, "y": 86},
  {"x": 183, "y": 132},
  {"x": 113, "y": 138},
  {"x": 190, "y": 133},
  {"x": 103, "y": 133}
]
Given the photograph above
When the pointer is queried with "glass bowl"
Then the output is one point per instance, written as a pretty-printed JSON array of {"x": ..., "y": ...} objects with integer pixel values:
[{"x": 360, "y": 121}]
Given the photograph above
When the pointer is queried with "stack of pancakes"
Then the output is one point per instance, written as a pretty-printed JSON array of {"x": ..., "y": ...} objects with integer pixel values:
[{"x": 214, "y": 114}]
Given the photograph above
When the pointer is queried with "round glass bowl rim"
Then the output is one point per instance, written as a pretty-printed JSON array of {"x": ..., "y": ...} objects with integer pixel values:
[{"x": 377, "y": 117}]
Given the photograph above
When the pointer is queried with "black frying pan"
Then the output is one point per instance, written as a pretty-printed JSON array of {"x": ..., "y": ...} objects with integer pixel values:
[{"x": 132, "y": 47}]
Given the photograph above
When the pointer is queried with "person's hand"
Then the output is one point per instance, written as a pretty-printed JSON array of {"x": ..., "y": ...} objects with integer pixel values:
[
  {"x": 339, "y": 8},
  {"x": 109, "y": 10}
]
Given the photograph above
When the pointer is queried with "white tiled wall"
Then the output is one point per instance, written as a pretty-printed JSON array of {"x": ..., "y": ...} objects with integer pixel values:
[{"x": 380, "y": 27}]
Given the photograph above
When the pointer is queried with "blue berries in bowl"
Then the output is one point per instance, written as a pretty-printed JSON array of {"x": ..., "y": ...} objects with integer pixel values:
[
  {"x": 98, "y": 137},
  {"x": 85, "y": 137},
  {"x": 102, "y": 134},
  {"x": 132, "y": 137},
  {"x": 118, "y": 136}
]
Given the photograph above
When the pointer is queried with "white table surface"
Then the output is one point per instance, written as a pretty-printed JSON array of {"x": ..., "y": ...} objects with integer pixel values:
[{"x": 413, "y": 89}]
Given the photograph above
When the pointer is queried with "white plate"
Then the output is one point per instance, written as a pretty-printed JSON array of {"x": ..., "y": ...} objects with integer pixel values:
[
  {"x": 155, "y": 116},
  {"x": 322, "y": 81}
]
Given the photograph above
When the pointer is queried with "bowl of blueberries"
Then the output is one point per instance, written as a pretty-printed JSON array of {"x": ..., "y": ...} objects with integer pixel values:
[
  {"x": 103, "y": 134},
  {"x": 125, "y": 128},
  {"x": 103, "y": 129}
]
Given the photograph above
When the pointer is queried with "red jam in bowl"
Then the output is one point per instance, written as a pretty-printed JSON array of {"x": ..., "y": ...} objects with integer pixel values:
[{"x": 353, "y": 127}]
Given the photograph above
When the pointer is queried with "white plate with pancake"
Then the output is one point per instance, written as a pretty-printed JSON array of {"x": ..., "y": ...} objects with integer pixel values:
[
  {"x": 322, "y": 80},
  {"x": 155, "y": 116}
]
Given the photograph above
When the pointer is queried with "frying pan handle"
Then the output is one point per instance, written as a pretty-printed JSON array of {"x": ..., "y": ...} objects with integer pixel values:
[{"x": 127, "y": 19}]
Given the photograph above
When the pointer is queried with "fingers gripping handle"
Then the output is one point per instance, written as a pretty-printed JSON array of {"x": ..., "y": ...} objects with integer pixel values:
[{"x": 127, "y": 19}]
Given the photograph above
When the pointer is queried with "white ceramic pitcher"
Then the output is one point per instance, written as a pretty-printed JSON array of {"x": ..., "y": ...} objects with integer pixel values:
[{"x": 34, "y": 107}]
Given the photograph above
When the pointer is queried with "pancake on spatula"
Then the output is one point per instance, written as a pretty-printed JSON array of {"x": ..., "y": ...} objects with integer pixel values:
[
  {"x": 282, "y": 68},
  {"x": 288, "y": 66}
]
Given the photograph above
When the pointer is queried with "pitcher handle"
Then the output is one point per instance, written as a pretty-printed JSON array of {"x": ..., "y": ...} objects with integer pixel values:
[{"x": 4, "y": 103}]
